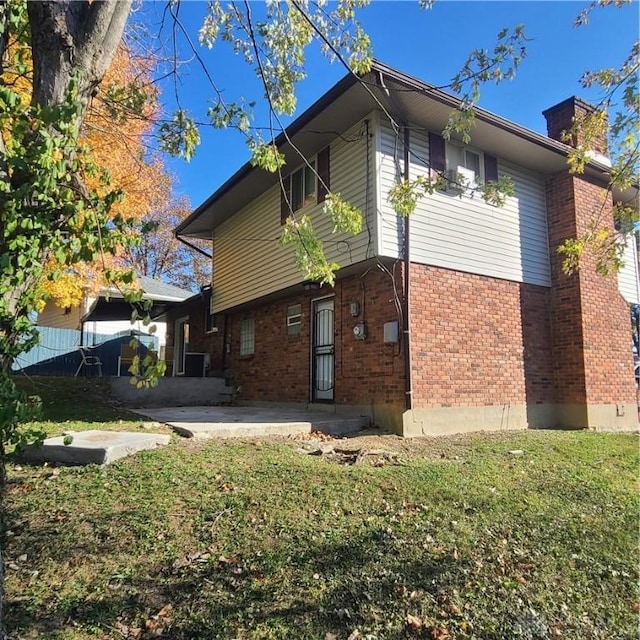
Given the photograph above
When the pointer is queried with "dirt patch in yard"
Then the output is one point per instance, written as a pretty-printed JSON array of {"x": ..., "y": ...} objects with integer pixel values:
[{"x": 375, "y": 445}]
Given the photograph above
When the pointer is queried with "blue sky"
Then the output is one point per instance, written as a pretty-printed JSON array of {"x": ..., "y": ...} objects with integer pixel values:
[{"x": 431, "y": 45}]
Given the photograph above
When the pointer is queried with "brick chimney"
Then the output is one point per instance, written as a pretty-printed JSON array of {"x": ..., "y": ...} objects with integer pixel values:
[
  {"x": 591, "y": 328},
  {"x": 561, "y": 117}
]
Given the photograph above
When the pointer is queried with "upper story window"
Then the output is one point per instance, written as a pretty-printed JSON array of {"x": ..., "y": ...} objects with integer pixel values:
[
  {"x": 464, "y": 167},
  {"x": 471, "y": 161},
  {"x": 307, "y": 185},
  {"x": 303, "y": 186}
]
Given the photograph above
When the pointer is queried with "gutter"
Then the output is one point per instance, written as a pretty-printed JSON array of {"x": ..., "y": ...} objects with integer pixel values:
[
  {"x": 454, "y": 102},
  {"x": 193, "y": 246},
  {"x": 379, "y": 71},
  {"x": 296, "y": 126}
]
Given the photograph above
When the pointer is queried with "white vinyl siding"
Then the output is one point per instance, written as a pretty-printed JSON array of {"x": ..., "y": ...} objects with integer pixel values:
[
  {"x": 248, "y": 260},
  {"x": 628, "y": 279},
  {"x": 464, "y": 233}
]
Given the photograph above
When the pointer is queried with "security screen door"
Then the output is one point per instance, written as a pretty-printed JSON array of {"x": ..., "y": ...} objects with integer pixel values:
[{"x": 322, "y": 351}]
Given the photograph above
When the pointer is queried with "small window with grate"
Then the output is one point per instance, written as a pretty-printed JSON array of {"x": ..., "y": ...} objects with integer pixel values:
[
  {"x": 247, "y": 337},
  {"x": 294, "y": 319}
]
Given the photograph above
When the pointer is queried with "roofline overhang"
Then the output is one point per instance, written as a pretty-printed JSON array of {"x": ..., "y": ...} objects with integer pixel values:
[
  {"x": 489, "y": 117},
  {"x": 593, "y": 166},
  {"x": 297, "y": 125}
]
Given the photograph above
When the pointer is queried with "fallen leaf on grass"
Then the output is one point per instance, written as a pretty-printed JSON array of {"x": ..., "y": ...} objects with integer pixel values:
[
  {"x": 130, "y": 633},
  {"x": 413, "y": 623},
  {"x": 156, "y": 624},
  {"x": 439, "y": 632}
]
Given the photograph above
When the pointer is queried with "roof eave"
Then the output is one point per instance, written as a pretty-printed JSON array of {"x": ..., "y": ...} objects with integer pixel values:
[{"x": 390, "y": 74}]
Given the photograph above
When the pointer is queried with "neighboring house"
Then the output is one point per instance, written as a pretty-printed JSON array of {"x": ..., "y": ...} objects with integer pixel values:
[
  {"x": 102, "y": 320},
  {"x": 107, "y": 313},
  {"x": 457, "y": 318}
]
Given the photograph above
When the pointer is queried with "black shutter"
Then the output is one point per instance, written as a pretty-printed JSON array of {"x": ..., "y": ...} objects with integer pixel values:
[
  {"x": 437, "y": 156},
  {"x": 490, "y": 168},
  {"x": 324, "y": 179},
  {"x": 285, "y": 199}
]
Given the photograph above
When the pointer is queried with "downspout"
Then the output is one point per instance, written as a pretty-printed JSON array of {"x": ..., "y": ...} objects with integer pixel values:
[
  {"x": 408, "y": 389},
  {"x": 406, "y": 329}
]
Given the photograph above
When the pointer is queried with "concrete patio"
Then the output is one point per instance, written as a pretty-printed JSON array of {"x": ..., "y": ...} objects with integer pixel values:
[{"x": 241, "y": 422}]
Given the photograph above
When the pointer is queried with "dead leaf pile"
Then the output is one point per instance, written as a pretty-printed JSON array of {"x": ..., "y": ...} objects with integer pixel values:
[{"x": 375, "y": 457}]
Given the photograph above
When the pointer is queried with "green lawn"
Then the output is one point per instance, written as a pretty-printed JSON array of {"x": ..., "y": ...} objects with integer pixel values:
[{"x": 252, "y": 539}]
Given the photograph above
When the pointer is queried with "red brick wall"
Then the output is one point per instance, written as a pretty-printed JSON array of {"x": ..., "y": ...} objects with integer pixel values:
[
  {"x": 566, "y": 303},
  {"x": 366, "y": 371},
  {"x": 590, "y": 319},
  {"x": 560, "y": 118},
  {"x": 478, "y": 341},
  {"x": 370, "y": 371},
  {"x": 199, "y": 340}
]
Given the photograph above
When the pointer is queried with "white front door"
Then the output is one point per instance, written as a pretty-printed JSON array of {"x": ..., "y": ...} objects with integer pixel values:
[{"x": 322, "y": 351}]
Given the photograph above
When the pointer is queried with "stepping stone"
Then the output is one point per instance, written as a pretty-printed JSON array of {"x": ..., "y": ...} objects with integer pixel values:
[{"x": 94, "y": 447}]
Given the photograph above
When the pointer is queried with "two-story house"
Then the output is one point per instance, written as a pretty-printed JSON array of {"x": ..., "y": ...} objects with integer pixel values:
[{"x": 456, "y": 318}]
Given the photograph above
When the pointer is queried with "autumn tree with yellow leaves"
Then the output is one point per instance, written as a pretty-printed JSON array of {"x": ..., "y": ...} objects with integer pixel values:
[{"x": 117, "y": 131}]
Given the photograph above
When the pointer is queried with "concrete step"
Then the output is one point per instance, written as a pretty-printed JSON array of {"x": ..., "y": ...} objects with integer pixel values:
[{"x": 242, "y": 422}]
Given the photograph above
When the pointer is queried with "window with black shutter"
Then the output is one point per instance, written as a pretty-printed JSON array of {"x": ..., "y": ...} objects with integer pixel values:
[{"x": 307, "y": 185}]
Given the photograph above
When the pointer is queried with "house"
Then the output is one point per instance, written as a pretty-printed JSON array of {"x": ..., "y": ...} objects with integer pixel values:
[
  {"x": 456, "y": 318},
  {"x": 193, "y": 337},
  {"x": 103, "y": 319},
  {"x": 107, "y": 312}
]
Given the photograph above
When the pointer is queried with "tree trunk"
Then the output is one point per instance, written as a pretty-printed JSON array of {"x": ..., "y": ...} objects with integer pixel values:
[
  {"x": 70, "y": 40},
  {"x": 70, "y": 37},
  {"x": 5, "y": 12}
]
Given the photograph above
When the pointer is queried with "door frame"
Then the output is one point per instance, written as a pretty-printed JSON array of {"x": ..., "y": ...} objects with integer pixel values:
[
  {"x": 179, "y": 350},
  {"x": 312, "y": 389}
]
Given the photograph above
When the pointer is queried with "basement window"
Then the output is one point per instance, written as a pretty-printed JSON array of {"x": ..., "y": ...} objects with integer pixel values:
[{"x": 247, "y": 337}]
